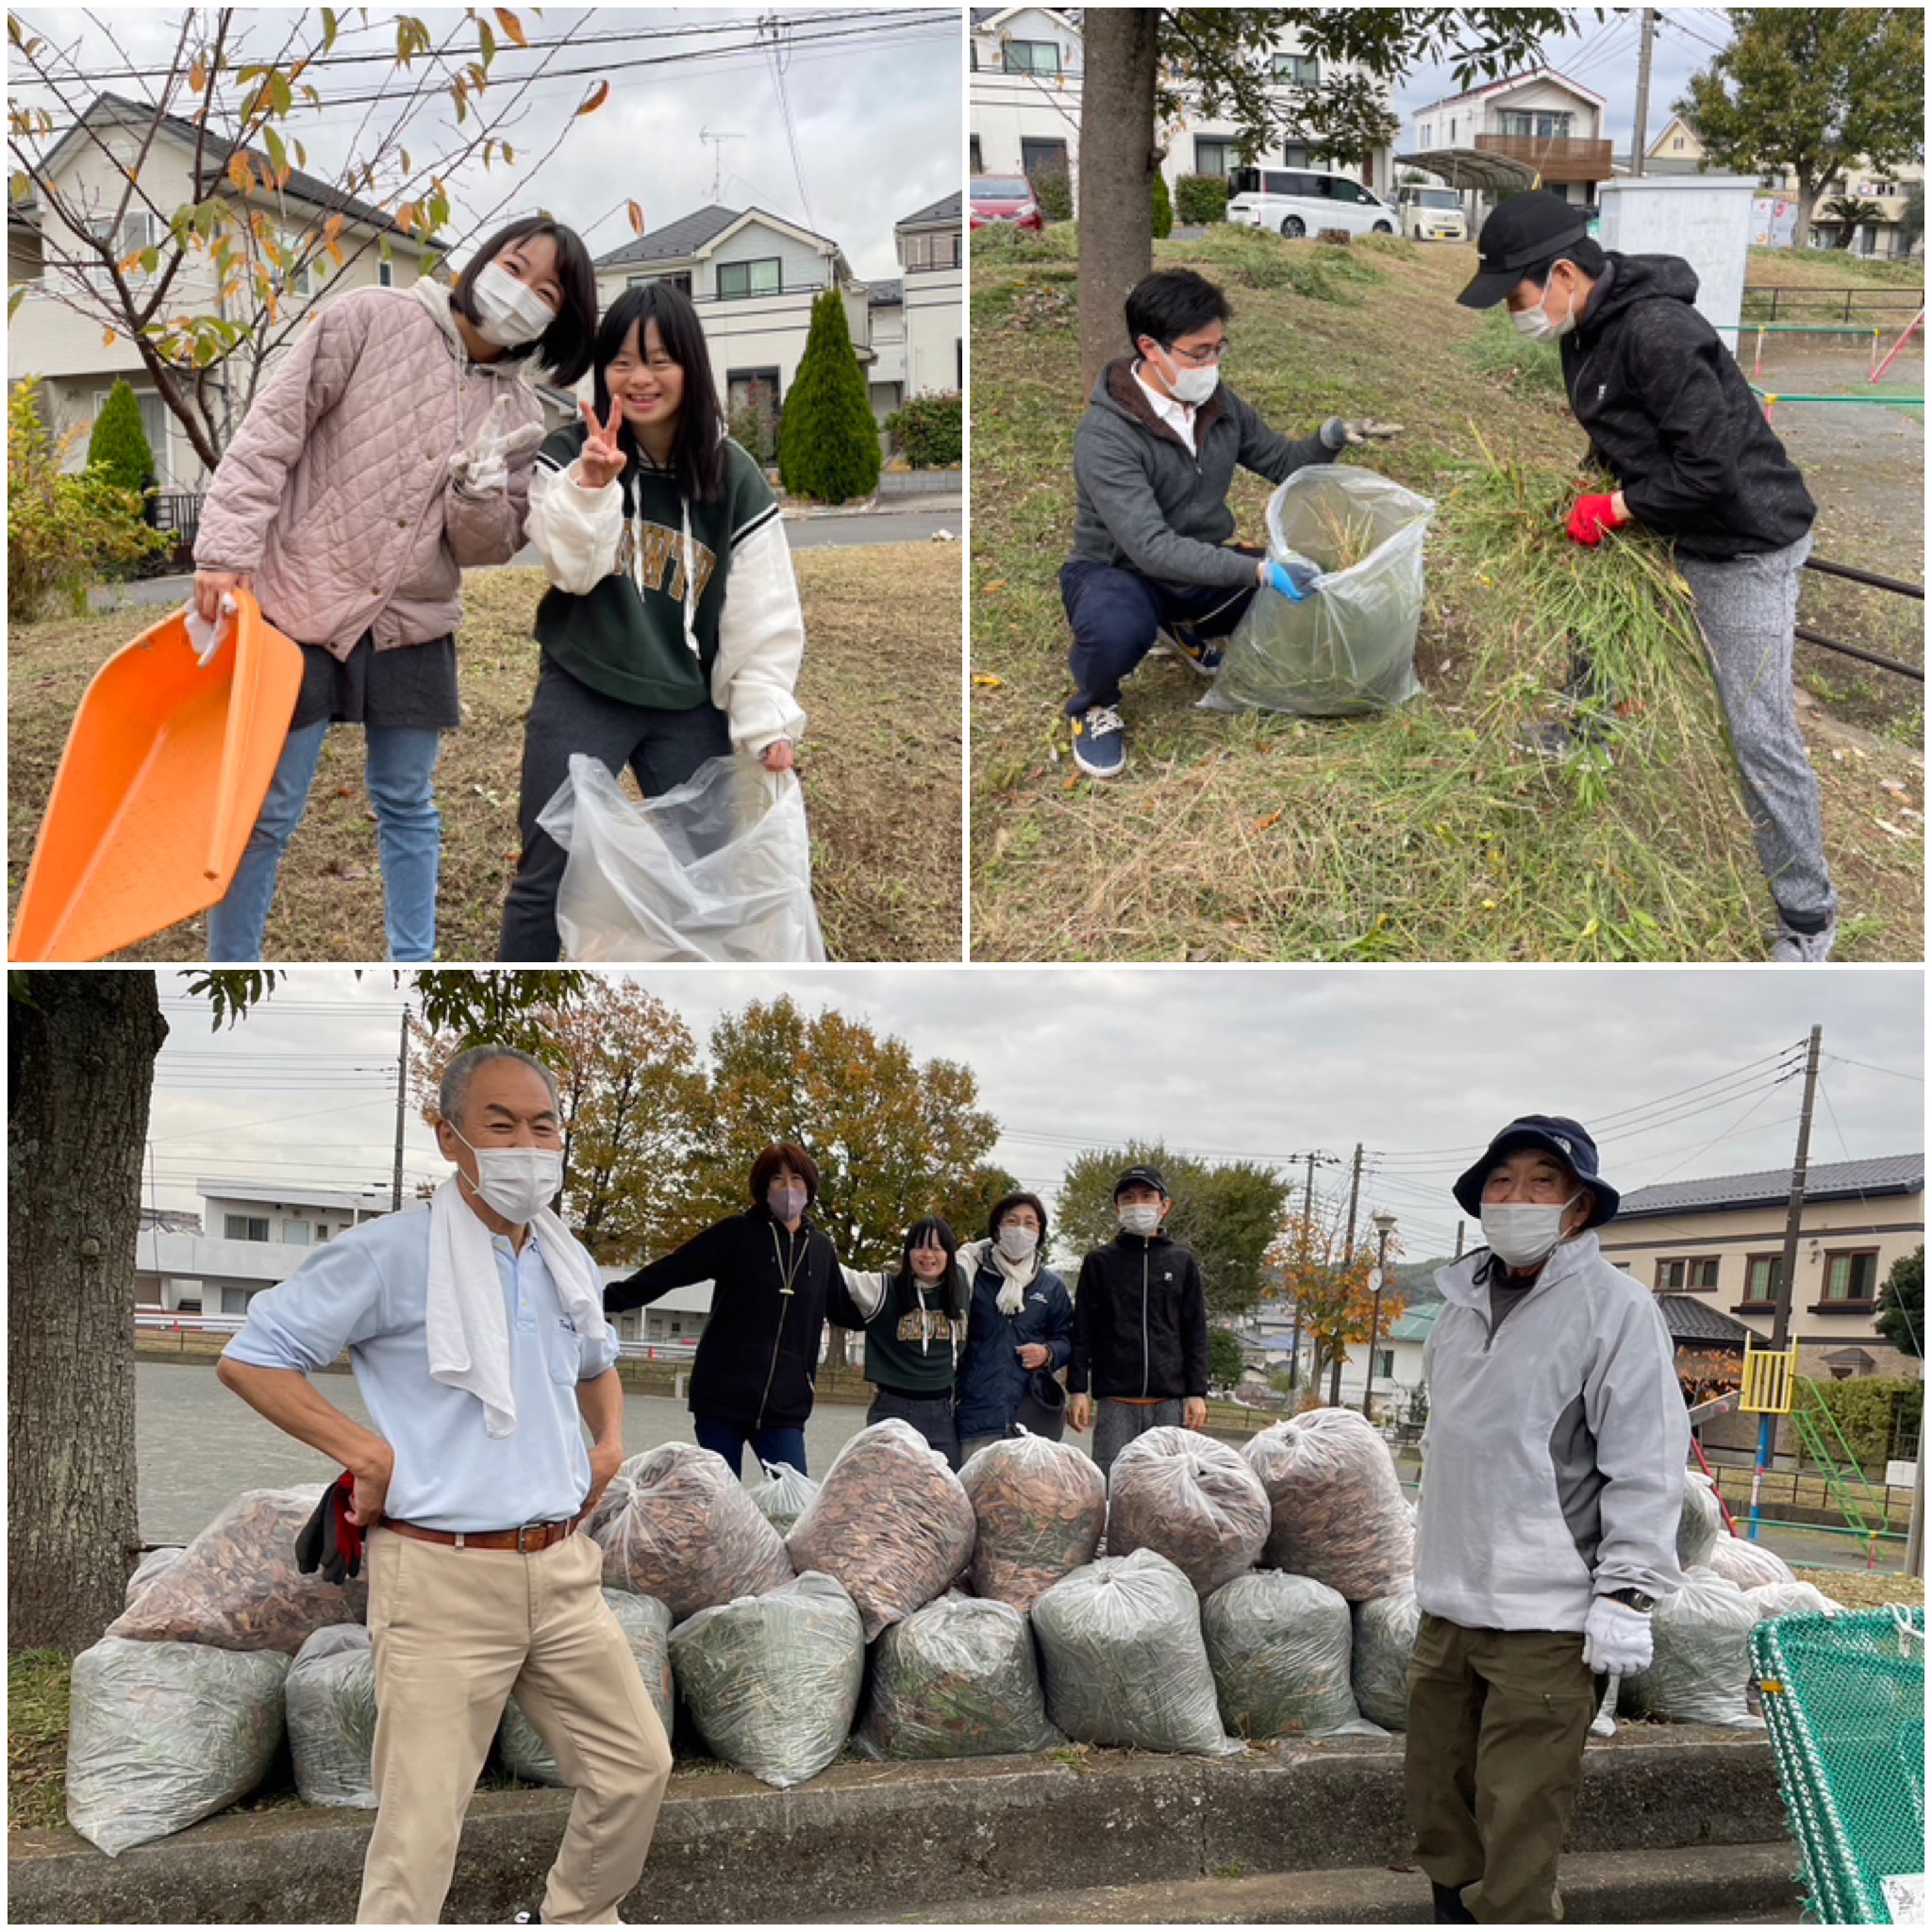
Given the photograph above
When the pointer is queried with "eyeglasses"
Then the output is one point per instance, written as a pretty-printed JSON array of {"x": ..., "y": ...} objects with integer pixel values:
[{"x": 1198, "y": 359}]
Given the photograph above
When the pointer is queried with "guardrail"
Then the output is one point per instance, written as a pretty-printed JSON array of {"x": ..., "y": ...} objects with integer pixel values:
[
  {"x": 1903, "y": 299},
  {"x": 168, "y": 1321}
]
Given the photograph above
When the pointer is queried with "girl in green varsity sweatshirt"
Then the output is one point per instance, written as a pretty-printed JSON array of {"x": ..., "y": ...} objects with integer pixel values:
[{"x": 672, "y": 631}]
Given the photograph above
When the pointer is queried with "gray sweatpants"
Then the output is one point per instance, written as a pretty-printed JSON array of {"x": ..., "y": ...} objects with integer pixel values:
[
  {"x": 1116, "y": 1424},
  {"x": 1747, "y": 608}
]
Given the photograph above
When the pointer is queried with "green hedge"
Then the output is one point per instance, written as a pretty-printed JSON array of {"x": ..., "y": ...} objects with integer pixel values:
[
  {"x": 1053, "y": 190},
  {"x": 930, "y": 429},
  {"x": 1163, "y": 207},
  {"x": 1868, "y": 1410},
  {"x": 1200, "y": 200}
]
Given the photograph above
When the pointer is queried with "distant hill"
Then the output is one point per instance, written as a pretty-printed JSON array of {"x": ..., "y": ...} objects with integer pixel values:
[{"x": 1416, "y": 1279}]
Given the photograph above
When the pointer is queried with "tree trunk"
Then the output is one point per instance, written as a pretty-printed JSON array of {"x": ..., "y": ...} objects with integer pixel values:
[
  {"x": 1805, "y": 199},
  {"x": 81, "y": 1049},
  {"x": 1335, "y": 1384},
  {"x": 1116, "y": 178}
]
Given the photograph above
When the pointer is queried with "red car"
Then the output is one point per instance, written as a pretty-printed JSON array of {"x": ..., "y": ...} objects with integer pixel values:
[{"x": 1004, "y": 198}]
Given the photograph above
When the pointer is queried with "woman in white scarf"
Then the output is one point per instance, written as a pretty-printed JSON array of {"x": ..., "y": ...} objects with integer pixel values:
[{"x": 1019, "y": 1325}]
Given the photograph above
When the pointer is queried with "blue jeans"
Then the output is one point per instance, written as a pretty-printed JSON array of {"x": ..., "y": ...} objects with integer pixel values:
[
  {"x": 400, "y": 774},
  {"x": 769, "y": 1446}
]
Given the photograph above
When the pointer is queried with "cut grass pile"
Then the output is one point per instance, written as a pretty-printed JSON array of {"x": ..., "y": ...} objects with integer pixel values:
[
  {"x": 1426, "y": 833},
  {"x": 879, "y": 765}
]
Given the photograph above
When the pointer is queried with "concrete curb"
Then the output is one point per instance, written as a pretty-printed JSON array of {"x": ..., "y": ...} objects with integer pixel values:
[{"x": 907, "y": 1837}]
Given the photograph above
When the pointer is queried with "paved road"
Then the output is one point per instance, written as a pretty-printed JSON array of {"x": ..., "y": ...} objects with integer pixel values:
[{"x": 919, "y": 523}]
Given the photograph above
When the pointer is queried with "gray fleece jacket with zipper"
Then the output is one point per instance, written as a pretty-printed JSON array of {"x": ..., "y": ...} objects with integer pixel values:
[
  {"x": 1553, "y": 1459},
  {"x": 1150, "y": 504}
]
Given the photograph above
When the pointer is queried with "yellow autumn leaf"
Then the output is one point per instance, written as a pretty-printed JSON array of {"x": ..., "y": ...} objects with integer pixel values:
[
  {"x": 510, "y": 25},
  {"x": 986, "y": 681},
  {"x": 237, "y": 169},
  {"x": 1272, "y": 817}
]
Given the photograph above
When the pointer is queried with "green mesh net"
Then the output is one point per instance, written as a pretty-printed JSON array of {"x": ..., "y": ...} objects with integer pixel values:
[{"x": 1844, "y": 1700}]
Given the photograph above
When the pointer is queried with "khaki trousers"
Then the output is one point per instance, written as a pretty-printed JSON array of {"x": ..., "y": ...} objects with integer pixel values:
[
  {"x": 1497, "y": 1721},
  {"x": 454, "y": 1632}
]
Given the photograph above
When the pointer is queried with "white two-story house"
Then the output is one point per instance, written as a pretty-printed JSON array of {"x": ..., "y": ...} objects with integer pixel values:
[
  {"x": 1024, "y": 105},
  {"x": 48, "y": 339},
  {"x": 753, "y": 279},
  {"x": 935, "y": 292},
  {"x": 1542, "y": 120}
]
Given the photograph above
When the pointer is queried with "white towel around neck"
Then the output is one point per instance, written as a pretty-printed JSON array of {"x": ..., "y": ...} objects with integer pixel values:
[{"x": 467, "y": 1324}]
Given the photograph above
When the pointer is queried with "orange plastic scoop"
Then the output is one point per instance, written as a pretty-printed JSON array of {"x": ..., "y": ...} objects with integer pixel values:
[{"x": 164, "y": 773}]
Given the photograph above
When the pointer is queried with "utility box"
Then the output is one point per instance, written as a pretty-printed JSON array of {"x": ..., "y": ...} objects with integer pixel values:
[{"x": 1703, "y": 218}]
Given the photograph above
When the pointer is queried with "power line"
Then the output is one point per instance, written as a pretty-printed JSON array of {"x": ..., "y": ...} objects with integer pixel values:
[{"x": 1917, "y": 1079}]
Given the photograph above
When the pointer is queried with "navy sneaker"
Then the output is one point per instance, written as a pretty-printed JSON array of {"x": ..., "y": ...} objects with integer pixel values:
[
  {"x": 1100, "y": 745},
  {"x": 1187, "y": 644}
]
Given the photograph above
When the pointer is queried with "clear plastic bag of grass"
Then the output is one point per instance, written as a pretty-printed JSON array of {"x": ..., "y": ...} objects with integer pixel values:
[{"x": 1347, "y": 649}]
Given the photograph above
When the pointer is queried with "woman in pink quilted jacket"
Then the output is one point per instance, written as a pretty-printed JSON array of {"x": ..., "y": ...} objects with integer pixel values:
[{"x": 389, "y": 450}]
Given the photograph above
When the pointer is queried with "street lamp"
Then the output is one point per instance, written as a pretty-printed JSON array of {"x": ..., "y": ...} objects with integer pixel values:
[{"x": 1385, "y": 1226}]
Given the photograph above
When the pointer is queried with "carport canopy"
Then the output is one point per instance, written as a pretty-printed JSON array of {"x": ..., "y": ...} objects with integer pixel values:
[{"x": 1470, "y": 167}]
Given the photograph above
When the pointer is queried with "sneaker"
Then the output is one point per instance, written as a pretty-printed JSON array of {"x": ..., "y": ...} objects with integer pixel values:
[
  {"x": 530, "y": 1918},
  {"x": 1450, "y": 1910},
  {"x": 1186, "y": 644},
  {"x": 1789, "y": 947},
  {"x": 1100, "y": 746}
]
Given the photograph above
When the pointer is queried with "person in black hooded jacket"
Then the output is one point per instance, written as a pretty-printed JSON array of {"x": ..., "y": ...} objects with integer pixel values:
[
  {"x": 1140, "y": 1326},
  {"x": 1674, "y": 421},
  {"x": 776, "y": 1280}
]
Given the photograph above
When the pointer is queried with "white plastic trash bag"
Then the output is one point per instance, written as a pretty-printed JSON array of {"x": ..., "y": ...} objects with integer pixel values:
[
  {"x": 1191, "y": 1498},
  {"x": 1384, "y": 1634},
  {"x": 1338, "y": 1512},
  {"x": 1124, "y": 1660},
  {"x": 162, "y": 1735},
  {"x": 1280, "y": 1646},
  {"x": 784, "y": 1496},
  {"x": 956, "y": 1680},
  {"x": 1348, "y": 648},
  {"x": 1749, "y": 1565},
  {"x": 646, "y": 1626},
  {"x": 330, "y": 1695},
  {"x": 1771, "y": 1600},
  {"x": 718, "y": 867},
  {"x": 1702, "y": 1521},
  {"x": 1701, "y": 1661}
]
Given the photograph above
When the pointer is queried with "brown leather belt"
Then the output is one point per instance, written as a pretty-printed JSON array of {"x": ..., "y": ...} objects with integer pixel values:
[{"x": 528, "y": 1537}]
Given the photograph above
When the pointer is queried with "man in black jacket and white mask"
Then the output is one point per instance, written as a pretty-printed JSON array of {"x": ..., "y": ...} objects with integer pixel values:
[{"x": 1674, "y": 421}]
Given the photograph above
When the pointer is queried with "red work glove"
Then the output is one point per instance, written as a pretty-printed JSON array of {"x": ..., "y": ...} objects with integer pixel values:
[{"x": 1592, "y": 517}]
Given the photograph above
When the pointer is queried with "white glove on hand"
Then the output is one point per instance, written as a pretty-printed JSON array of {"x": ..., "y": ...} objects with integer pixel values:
[
  {"x": 483, "y": 469},
  {"x": 1616, "y": 1637},
  {"x": 1338, "y": 433},
  {"x": 207, "y": 638}
]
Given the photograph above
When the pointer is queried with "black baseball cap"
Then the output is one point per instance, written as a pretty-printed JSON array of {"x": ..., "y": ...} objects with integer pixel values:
[
  {"x": 1143, "y": 1177},
  {"x": 1522, "y": 233},
  {"x": 1568, "y": 1141}
]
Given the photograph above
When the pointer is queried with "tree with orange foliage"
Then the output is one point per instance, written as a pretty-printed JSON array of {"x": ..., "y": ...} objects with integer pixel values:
[{"x": 1331, "y": 1288}]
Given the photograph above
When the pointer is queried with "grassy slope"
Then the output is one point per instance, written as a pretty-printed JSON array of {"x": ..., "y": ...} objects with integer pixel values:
[
  {"x": 880, "y": 766},
  {"x": 1419, "y": 835}
]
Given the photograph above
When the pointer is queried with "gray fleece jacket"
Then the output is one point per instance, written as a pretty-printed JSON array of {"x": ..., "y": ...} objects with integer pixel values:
[{"x": 1150, "y": 504}]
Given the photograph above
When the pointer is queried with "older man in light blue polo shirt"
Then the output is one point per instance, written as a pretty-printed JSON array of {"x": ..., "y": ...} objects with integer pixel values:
[{"x": 478, "y": 1342}]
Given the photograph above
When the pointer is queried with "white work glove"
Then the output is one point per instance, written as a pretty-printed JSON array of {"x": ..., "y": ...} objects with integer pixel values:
[
  {"x": 1616, "y": 1637},
  {"x": 483, "y": 469},
  {"x": 207, "y": 638},
  {"x": 1337, "y": 433}
]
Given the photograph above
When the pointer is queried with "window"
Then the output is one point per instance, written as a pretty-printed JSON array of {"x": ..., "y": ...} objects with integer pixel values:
[
  {"x": 1535, "y": 126},
  {"x": 677, "y": 281},
  {"x": 385, "y": 274},
  {"x": 1345, "y": 190},
  {"x": 1762, "y": 1274},
  {"x": 297, "y": 280},
  {"x": 1677, "y": 146},
  {"x": 244, "y": 1228},
  {"x": 295, "y": 1233},
  {"x": 1851, "y": 1275},
  {"x": 1385, "y": 1364},
  {"x": 932, "y": 251},
  {"x": 1428, "y": 136},
  {"x": 1033, "y": 57},
  {"x": 978, "y": 162},
  {"x": 751, "y": 405},
  {"x": 234, "y": 1301},
  {"x": 1680, "y": 1277},
  {"x": 1037, "y": 154},
  {"x": 738, "y": 279},
  {"x": 1212, "y": 156},
  {"x": 154, "y": 425},
  {"x": 1297, "y": 70}
]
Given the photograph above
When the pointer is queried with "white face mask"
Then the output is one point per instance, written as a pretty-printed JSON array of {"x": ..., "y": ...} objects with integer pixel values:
[
  {"x": 1524, "y": 1233},
  {"x": 787, "y": 1204},
  {"x": 1017, "y": 1242},
  {"x": 509, "y": 313},
  {"x": 1139, "y": 1217},
  {"x": 518, "y": 1182},
  {"x": 1536, "y": 324},
  {"x": 1191, "y": 385}
]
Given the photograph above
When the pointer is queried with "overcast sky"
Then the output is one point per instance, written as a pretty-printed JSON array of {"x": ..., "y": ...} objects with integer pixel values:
[
  {"x": 1420, "y": 1065},
  {"x": 876, "y": 112},
  {"x": 1600, "y": 54}
]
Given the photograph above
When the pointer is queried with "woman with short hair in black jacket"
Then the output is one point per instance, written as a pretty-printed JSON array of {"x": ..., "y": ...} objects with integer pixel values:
[{"x": 776, "y": 1280}]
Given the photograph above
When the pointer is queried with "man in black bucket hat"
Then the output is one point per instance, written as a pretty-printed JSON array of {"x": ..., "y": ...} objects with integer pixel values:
[
  {"x": 1547, "y": 1526},
  {"x": 1673, "y": 421},
  {"x": 1140, "y": 1326}
]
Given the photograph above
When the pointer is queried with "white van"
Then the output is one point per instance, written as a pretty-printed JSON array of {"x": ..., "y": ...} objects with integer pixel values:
[
  {"x": 1431, "y": 214},
  {"x": 1303, "y": 201}
]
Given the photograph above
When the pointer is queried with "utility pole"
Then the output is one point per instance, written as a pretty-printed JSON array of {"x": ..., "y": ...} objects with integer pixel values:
[
  {"x": 1459, "y": 1242},
  {"x": 1643, "y": 91},
  {"x": 395, "y": 1192},
  {"x": 1294, "y": 1338},
  {"x": 1384, "y": 1226},
  {"x": 1787, "y": 1267},
  {"x": 1355, "y": 1187}
]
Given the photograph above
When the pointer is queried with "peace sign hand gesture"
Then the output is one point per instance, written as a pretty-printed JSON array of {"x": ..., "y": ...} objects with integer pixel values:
[{"x": 602, "y": 459}]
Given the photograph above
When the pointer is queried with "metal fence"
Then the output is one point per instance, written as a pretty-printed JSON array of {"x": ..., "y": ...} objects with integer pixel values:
[{"x": 1768, "y": 301}]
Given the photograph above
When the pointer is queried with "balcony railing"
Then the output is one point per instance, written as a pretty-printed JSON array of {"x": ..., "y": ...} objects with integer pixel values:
[{"x": 1555, "y": 158}]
